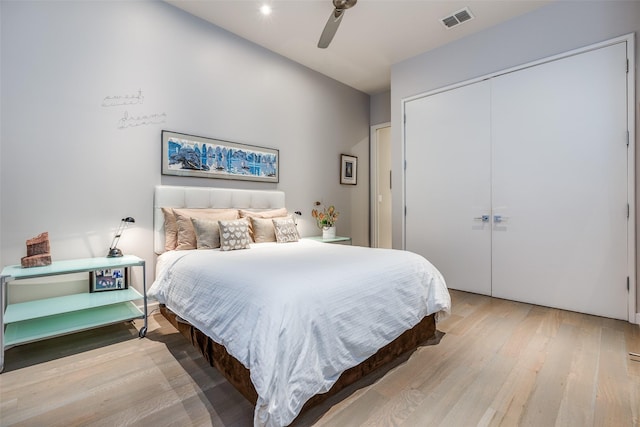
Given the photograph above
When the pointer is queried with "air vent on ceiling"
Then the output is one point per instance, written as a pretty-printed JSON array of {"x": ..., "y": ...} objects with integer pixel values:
[{"x": 457, "y": 18}]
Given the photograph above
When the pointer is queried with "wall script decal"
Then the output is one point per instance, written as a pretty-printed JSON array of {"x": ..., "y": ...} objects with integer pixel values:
[
  {"x": 116, "y": 100},
  {"x": 128, "y": 121}
]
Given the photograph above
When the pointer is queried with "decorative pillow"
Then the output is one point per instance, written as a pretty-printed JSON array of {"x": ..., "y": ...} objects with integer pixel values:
[
  {"x": 269, "y": 213},
  {"x": 234, "y": 234},
  {"x": 286, "y": 230},
  {"x": 170, "y": 229},
  {"x": 263, "y": 230},
  {"x": 207, "y": 233},
  {"x": 186, "y": 234}
]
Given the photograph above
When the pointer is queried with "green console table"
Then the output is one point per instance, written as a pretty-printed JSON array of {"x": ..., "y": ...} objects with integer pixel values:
[
  {"x": 340, "y": 240},
  {"x": 36, "y": 320}
]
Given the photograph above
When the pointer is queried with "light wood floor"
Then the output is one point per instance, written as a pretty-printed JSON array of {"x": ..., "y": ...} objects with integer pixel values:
[{"x": 497, "y": 363}]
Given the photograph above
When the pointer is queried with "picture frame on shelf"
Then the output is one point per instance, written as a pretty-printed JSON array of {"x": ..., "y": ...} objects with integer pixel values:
[
  {"x": 113, "y": 279},
  {"x": 348, "y": 169},
  {"x": 198, "y": 156}
]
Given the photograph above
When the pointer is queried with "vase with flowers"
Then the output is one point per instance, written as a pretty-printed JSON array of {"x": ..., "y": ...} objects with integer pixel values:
[{"x": 326, "y": 220}]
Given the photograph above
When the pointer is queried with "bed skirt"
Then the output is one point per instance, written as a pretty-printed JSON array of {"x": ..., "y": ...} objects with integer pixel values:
[{"x": 238, "y": 375}]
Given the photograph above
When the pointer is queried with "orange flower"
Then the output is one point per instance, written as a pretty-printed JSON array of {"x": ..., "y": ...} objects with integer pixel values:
[{"x": 325, "y": 218}]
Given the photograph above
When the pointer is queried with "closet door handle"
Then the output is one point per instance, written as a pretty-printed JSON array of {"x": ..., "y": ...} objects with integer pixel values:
[
  {"x": 483, "y": 218},
  {"x": 498, "y": 218}
]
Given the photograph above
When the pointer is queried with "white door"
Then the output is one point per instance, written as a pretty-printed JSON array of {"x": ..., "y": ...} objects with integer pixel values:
[
  {"x": 559, "y": 158},
  {"x": 448, "y": 184}
]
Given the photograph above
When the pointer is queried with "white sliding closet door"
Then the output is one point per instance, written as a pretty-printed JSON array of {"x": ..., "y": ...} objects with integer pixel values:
[
  {"x": 542, "y": 152},
  {"x": 560, "y": 183},
  {"x": 448, "y": 184}
]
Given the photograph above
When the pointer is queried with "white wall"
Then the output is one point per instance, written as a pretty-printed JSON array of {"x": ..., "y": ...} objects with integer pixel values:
[
  {"x": 558, "y": 27},
  {"x": 69, "y": 169}
]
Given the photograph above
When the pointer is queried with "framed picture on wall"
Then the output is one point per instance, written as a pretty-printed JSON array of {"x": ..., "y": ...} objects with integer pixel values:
[
  {"x": 113, "y": 279},
  {"x": 190, "y": 155},
  {"x": 348, "y": 169}
]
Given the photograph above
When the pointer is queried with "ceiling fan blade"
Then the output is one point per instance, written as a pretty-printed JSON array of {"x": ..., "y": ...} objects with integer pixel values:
[{"x": 330, "y": 28}]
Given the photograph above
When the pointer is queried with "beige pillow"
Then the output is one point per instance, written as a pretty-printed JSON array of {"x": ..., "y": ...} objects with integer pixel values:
[
  {"x": 270, "y": 213},
  {"x": 207, "y": 233},
  {"x": 263, "y": 230},
  {"x": 234, "y": 234},
  {"x": 186, "y": 234},
  {"x": 170, "y": 229},
  {"x": 285, "y": 230}
]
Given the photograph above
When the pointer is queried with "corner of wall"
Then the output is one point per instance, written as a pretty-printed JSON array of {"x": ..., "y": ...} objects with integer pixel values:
[{"x": 380, "y": 108}]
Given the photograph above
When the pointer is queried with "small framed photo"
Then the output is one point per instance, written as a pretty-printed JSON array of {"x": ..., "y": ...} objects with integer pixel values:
[
  {"x": 113, "y": 279},
  {"x": 348, "y": 169}
]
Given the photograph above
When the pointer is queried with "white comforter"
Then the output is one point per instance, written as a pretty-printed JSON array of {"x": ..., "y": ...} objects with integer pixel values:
[{"x": 299, "y": 314}]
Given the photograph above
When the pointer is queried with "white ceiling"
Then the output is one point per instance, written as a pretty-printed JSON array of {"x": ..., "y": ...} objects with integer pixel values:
[{"x": 373, "y": 35}]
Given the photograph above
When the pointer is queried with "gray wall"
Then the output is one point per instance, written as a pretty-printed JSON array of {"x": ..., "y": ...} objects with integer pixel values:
[
  {"x": 73, "y": 167},
  {"x": 380, "y": 109},
  {"x": 550, "y": 30}
]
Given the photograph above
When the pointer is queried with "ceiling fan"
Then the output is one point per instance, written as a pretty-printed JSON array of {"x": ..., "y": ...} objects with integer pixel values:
[{"x": 334, "y": 21}]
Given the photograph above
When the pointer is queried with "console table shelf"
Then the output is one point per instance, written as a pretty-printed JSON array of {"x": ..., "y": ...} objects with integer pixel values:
[
  {"x": 341, "y": 240},
  {"x": 65, "y": 323},
  {"x": 29, "y": 321},
  {"x": 58, "y": 305}
]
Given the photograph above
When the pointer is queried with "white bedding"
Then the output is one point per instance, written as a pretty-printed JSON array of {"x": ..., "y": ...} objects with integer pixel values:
[{"x": 297, "y": 315}]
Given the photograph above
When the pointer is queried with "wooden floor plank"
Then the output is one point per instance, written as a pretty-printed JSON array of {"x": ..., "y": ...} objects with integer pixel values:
[
  {"x": 580, "y": 391},
  {"x": 613, "y": 399},
  {"x": 498, "y": 363},
  {"x": 543, "y": 405}
]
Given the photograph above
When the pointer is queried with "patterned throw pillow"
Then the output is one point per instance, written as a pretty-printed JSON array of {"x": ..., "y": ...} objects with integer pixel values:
[
  {"x": 286, "y": 230},
  {"x": 234, "y": 234}
]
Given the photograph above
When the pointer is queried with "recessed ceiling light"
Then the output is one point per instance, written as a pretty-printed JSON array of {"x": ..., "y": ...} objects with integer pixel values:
[{"x": 265, "y": 9}]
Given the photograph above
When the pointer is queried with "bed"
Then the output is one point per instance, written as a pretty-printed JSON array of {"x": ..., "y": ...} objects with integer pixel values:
[{"x": 289, "y": 323}]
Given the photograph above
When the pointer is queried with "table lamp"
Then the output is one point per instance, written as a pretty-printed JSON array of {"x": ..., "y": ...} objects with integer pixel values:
[{"x": 113, "y": 249}]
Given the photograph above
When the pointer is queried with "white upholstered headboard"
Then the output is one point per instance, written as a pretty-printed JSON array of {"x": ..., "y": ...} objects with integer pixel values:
[{"x": 168, "y": 196}]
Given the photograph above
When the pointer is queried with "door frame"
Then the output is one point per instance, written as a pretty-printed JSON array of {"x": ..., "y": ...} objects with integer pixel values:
[
  {"x": 373, "y": 179},
  {"x": 629, "y": 39}
]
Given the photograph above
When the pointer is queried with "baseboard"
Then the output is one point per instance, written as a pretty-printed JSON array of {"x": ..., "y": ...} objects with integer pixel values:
[
  {"x": 637, "y": 318},
  {"x": 151, "y": 306}
]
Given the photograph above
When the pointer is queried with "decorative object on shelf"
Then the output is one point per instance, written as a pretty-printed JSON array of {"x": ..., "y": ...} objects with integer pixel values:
[
  {"x": 348, "y": 169},
  {"x": 113, "y": 249},
  {"x": 326, "y": 220},
  {"x": 190, "y": 155},
  {"x": 38, "y": 252},
  {"x": 112, "y": 279}
]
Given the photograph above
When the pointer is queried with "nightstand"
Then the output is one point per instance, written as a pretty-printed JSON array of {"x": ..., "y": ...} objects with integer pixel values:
[{"x": 337, "y": 240}]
